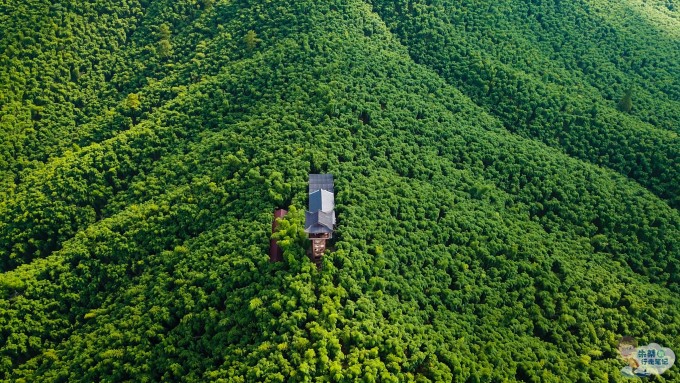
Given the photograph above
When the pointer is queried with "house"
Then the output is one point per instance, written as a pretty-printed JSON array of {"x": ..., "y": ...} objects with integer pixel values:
[{"x": 320, "y": 219}]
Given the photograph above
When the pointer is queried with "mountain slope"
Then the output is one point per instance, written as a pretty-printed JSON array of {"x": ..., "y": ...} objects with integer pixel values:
[
  {"x": 463, "y": 251},
  {"x": 557, "y": 72}
]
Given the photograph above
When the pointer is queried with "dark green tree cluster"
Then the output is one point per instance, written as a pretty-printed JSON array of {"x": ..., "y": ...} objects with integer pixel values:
[{"x": 135, "y": 248}]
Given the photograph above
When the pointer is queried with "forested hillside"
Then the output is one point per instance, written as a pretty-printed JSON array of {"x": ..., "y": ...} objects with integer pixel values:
[
  {"x": 506, "y": 183},
  {"x": 597, "y": 79}
]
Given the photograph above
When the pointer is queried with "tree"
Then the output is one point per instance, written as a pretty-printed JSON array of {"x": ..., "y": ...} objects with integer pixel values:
[
  {"x": 133, "y": 104},
  {"x": 164, "y": 45},
  {"x": 626, "y": 103},
  {"x": 251, "y": 40},
  {"x": 164, "y": 49},
  {"x": 164, "y": 31}
]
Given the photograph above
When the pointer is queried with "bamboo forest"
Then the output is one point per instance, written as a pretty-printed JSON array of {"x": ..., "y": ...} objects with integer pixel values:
[{"x": 339, "y": 191}]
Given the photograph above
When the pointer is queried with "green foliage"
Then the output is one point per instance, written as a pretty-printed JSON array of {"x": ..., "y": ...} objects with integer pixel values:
[
  {"x": 626, "y": 103},
  {"x": 251, "y": 40},
  {"x": 164, "y": 45},
  {"x": 554, "y": 71},
  {"x": 493, "y": 224}
]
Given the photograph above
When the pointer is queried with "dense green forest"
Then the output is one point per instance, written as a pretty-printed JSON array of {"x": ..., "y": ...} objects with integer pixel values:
[{"x": 507, "y": 189}]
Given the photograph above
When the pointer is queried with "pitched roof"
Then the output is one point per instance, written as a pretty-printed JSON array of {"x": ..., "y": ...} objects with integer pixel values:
[
  {"x": 319, "y": 222},
  {"x": 321, "y": 200},
  {"x": 320, "y": 182}
]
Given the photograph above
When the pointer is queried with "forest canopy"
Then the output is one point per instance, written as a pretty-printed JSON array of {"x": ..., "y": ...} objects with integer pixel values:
[{"x": 506, "y": 178}]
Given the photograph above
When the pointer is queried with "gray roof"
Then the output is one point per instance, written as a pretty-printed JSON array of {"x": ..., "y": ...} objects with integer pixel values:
[
  {"x": 321, "y": 217},
  {"x": 320, "y": 182},
  {"x": 319, "y": 222},
  {"x": 321, "y": 200}
]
